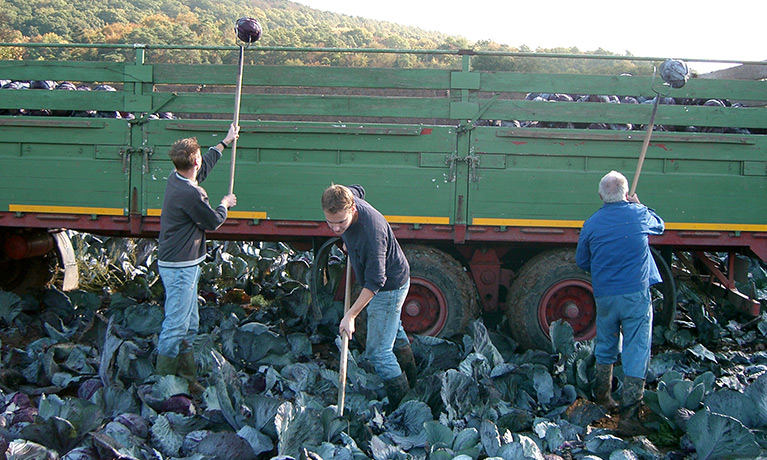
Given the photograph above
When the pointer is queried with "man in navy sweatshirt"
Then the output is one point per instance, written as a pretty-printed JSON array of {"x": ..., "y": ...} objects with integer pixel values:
[
  {"x": 614, "y": 247},
  {"x": 186, "y": 215},
  {"x": 382, "y": 270}
]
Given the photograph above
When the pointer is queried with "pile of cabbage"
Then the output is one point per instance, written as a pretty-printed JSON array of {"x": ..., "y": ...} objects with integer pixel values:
[{"x": 77, "y": 380}]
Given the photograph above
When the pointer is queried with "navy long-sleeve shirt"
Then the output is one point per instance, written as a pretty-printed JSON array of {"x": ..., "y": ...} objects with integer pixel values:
[
  {"x": 613, "y": 246},
  {"x": 376, "y": 257},
  {"x": 186, "y": 215}
]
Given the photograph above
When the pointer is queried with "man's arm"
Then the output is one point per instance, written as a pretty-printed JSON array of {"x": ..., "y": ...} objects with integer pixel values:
[
  {"x": 375, "y": 262},
  {"x": 214, "y": 153},
  {"x": 583, "y": 257},
  {"x": 357, "y": 190},
  {"x": 206, "y": 217},
  {"x": 655, "y": 224},
  {"x": 231, "y": 135},
  {"x": 583, "y": 252},
  {"x": 347, "y": 322}
]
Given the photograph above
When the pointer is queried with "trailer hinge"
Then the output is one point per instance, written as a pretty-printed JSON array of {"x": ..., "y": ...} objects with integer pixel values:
[
  {"x": 468, "y": 125},
  {"x": 465, "y": 126}
]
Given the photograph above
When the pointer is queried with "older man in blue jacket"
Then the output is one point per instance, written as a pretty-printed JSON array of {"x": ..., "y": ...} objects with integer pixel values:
[{"x": 613, "y": 247}]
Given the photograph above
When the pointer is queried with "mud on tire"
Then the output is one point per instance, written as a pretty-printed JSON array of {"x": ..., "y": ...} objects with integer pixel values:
[
  {"x": 442, "y": 297},
  {"x": 550, "y": 286}
]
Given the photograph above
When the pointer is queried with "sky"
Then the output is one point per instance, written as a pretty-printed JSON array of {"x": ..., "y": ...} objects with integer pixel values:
[{"x": 665, "y": 29}]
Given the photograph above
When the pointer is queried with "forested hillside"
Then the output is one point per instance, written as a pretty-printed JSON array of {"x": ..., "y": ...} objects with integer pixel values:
[{"x": 285, "y": 24}]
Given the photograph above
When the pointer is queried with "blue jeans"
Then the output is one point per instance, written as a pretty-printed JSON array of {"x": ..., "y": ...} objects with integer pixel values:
[
  {"x": 631, "y": 313},
  {"x": 384, "y": 328},
  {"x": 182, "y": 315}
]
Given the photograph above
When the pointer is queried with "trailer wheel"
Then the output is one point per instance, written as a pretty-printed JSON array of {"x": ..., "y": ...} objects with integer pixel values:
[
  {"x": 33, "y": 273},
  {"x": 35, "y": 260},
  {"x": 549, "y": 287},
  {"x": 441, "y": 300},
  {"x": 663, "y": 294},
  {"x": 442, "y": 297}
]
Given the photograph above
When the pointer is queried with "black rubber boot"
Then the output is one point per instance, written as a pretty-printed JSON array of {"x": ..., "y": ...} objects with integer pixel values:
[
  {"x": 406, "y": 362},
  {"x": 603, "y": 387},
  {"x": 633, "y": 393},
  {"x": 396, "y": 389}
]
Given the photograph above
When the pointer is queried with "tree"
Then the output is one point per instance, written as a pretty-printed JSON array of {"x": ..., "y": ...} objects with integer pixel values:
[
  {"x": 285, "y": 24},
  {"x": 8, "y": 34}
]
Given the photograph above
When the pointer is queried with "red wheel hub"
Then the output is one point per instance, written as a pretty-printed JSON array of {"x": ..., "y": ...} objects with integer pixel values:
[
  {"x": 573, "y": 301},
  {"x": 425, "y": 309}
]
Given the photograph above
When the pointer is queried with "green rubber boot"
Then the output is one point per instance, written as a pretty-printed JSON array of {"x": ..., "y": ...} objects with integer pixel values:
[
  {"x": 603, "y": 387},
  {"x": 166, "y": 365},
  {"x": 633, "y": 393},
  {"x": 396, "y": 389},
  {"x": 187, "y": 369},
  {"x": 406, "y": 362}
]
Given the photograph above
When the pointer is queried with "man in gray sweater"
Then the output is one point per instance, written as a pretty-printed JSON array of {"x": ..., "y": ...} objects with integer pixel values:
[{"x": 186, "y": 215}]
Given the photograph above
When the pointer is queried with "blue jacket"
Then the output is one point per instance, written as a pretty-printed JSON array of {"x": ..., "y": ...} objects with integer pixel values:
[{"x": 614, "y": 247}]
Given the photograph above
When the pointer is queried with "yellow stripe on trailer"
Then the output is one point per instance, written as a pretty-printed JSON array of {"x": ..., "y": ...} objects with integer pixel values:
[
  {"x": 231, "y": 214},
  {"x": 44, "y": 209},
  {"x": 247, "y": 215},
  {"x": 527, "y": 222},
  {"x": 716, "y": 227},
  {"x": 418, "y": 220},
  {"x": 725, "y": 227}
]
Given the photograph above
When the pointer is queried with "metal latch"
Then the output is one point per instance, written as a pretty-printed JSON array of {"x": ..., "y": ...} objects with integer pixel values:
[
  {"x": 473, "y": 162},
  {"x": 146, "y": 153},
  {"x": 451, "y": 161}
]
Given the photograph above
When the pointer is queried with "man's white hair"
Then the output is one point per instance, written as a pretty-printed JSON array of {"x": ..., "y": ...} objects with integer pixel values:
[{"x": 613, "y": 187}]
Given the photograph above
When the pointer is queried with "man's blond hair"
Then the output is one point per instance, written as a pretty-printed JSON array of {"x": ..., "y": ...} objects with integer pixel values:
[{"x": 337, "y": 198}]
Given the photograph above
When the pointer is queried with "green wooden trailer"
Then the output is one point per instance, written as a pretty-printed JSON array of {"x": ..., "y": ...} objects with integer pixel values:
[{"x": 485, "y": 188}]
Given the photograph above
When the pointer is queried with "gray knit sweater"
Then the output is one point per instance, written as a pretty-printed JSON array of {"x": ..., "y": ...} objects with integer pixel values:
[{"x": 186, "y": 215}]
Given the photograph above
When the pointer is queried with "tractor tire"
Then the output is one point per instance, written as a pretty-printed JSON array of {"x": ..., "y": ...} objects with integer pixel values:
[
  {"x": 441, "y": 301},
  {"x": 663, "y": 294},
  {"x": 23, "y": 275},
  {"x": 442, "y": 298},
  {"x": 549, "y": 287}
]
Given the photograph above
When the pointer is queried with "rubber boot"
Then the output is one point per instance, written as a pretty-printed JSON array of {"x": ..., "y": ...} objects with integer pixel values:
[
  {"x": 396, "y": 389},
  {"x": 166, "y": 365},
  {"x": 406, "y": 362},
  {"x": 187, "y": 369},
  {"x": 603, "y": 387},
  {"x": 633, "y": 392}
]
